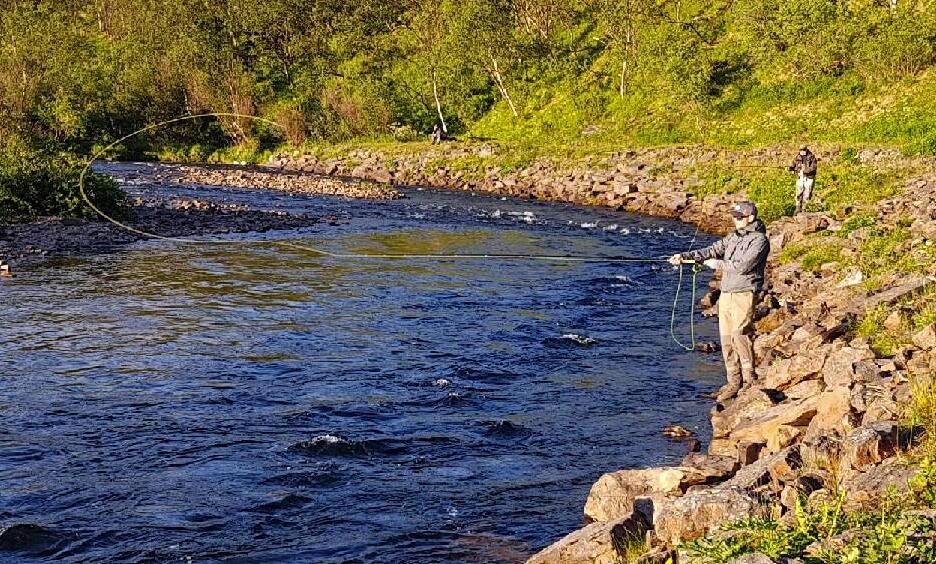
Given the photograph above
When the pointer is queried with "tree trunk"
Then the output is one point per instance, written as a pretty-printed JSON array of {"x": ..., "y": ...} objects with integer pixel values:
[
  {"x": 495, "y": 72},
  {"x": 623, "y": 74},
  {"x": 435, "y": 94}
]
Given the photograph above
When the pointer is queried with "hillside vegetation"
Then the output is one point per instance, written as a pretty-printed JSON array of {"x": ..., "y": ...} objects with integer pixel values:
[{"x": 553, "y": 76}]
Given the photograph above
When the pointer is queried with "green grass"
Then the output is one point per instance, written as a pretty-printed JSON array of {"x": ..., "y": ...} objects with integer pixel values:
[
  {"x": 884, "y": 533},
  {"x": 812, "y": 253}
]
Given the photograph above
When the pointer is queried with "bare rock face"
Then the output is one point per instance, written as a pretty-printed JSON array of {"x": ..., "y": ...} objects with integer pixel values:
[
  {"x": 612, "y": 496},
  {"x": 870, "y": 445},
  {"x": 839, "y": 369},
  {"x": 926, "y": 339},
  {"x": 696, "y": 513},
  {"x": 598, "y": 543},
  {"x": 873, "y": 483},
  {"x": 768, "y": 471}
]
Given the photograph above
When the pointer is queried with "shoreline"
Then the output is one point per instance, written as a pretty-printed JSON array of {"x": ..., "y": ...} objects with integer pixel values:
[{"x": 24, "y": 243}]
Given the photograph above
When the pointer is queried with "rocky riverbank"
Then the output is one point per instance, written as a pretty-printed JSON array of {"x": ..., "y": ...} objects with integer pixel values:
[
  {"x": 294, "y": 182},
  {"x": 826, "y": 416},
  {"x": 177, "y": 217}
]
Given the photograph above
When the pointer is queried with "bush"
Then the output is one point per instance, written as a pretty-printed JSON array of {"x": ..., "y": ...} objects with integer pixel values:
[{"x": 44, "y": 182}]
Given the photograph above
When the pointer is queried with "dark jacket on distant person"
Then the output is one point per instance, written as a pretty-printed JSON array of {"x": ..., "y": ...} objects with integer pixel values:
[
  {"x": 806, "y": 164},
  {"x": 743, "y": 255}
]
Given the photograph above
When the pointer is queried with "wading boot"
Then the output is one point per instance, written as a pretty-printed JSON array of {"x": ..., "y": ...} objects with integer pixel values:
[{"x": 729, "y": 390}]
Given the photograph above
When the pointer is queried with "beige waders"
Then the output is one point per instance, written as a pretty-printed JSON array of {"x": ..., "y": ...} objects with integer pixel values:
[{"x": 735, "y": 324}]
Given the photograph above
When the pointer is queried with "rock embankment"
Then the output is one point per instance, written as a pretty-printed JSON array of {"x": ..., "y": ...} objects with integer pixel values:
[{"x": 634, "y": 181}]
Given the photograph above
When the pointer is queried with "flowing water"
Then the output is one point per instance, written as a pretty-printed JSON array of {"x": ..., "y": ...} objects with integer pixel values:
[{"x": 247, "y": 403}]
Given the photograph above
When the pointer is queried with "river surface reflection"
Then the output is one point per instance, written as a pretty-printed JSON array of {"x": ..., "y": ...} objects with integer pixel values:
[{"x": 248, "y": 403}]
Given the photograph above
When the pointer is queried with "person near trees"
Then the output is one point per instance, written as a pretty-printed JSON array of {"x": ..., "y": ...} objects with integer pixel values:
[
  {"x": 437, "y": 133},
  {"x": 804, "y": 165},
  {"x": 742, "y": 258}
]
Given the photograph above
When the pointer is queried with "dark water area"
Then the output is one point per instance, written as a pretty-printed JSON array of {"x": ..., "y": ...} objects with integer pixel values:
[{"x": 249, "y": 403}]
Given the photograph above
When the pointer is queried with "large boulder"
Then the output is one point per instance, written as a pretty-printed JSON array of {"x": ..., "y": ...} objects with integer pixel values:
[
  {"x": 714, "y": 468},
  {"x": 870, "y": 445},
  {"x": 772, "y": 471},
  {"x": 871, "y": 485},
  {"x": 926, "y": 338},
  {"x": 612, "y": 496},
  {"x": 779, "y": 425},
  {"x": 839, "y": 369},
  {"x": 834, "y": 413},
  {"x": 598, "y": 543},
  {"x": 803, "y": 366},
  {"x": 749, "y": 404},
  {"x": 686, "y": 518}
]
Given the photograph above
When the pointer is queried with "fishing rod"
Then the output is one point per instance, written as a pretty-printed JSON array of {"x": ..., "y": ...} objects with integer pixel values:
[{"x": 387, "y": 256}]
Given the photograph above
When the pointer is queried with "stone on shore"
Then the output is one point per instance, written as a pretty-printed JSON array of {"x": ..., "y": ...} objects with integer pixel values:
[
  {"x": 693, "y": 515},
  {"x": 598, "y": 543},
  {"x": 612, "y": 496},
  {"x": 869, "y": 445}
]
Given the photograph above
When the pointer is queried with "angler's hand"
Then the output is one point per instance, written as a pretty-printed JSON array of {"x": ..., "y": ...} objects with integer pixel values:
[
  {"x": 676, "y": 259},
  {"x": 714, "y": 264}
]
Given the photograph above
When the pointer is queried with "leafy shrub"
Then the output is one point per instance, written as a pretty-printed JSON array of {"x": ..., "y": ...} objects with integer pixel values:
[{"x": 44, "y": 182}]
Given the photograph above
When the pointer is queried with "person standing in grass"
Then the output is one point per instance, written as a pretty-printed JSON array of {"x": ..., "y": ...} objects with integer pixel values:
[
  {"x": 804, "y": 165},
  {"x": 742, "y": 258}
]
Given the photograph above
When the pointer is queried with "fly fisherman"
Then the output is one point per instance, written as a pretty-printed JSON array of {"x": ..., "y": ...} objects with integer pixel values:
[
  {"x": 742, "y": 258},
  {"x": 804, "y": 165}
]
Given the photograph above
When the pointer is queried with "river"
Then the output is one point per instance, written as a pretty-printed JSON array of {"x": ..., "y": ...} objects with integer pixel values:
[{"x": 250, "y": 403}]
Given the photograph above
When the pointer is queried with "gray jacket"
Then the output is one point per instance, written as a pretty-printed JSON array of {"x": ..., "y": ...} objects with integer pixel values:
[{"x": 743, "y": 256}]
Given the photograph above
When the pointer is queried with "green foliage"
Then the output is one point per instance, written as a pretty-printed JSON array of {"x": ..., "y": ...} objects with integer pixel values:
[
  {"x": 883, "y": 341},
  {"x": 535, "y": 74},
  {"x": 886, "y": 534},
  {"x": 43, "y": 182},
  {"x": 856, "y": 222},
  {"x": 559, "y": 78}
]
